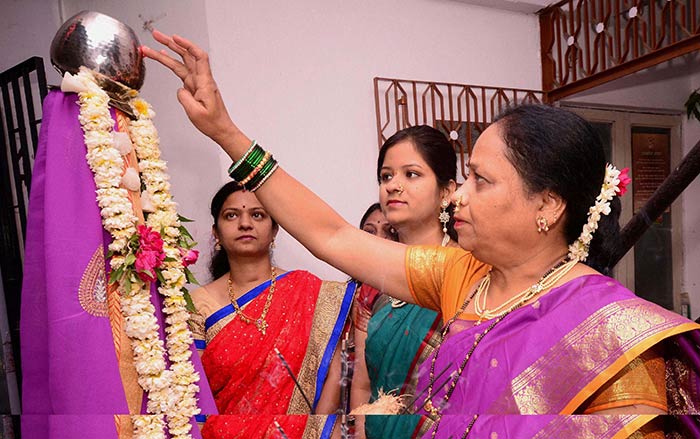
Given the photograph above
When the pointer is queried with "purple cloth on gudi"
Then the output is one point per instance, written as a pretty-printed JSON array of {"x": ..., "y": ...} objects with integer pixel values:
[{"x": 69, "y": 365}]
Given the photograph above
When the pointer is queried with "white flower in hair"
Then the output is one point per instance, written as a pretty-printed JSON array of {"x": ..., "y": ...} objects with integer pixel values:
[{"x": 615, "y": 183}]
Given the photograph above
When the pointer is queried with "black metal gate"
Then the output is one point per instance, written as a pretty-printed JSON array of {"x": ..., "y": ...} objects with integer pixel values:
[{"x": 23, "y": 88}]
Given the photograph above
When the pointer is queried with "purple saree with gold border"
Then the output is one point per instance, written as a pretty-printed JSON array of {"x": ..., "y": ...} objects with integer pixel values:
[{"x": 549, "y": 357}]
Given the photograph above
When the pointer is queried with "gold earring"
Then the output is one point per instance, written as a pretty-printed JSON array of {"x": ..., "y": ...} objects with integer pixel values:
[
  {"x": 272, "y": 245},
  {"x": 444, "y": 218},
  {"x": 542, "y": 224},
  {"x": 217, "y": 246}
]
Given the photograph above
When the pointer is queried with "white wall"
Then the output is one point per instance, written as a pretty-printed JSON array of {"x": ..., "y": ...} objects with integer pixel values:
[
  {"x": 27, "y": 27},
  {"x": 298, "y": 78},
  {"x": 666, "y": 87}
]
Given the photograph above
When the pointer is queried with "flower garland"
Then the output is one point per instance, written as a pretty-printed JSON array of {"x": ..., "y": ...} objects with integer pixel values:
[
  {"x": 160, "y": 250},
  {"x": 614, "y": 183}
]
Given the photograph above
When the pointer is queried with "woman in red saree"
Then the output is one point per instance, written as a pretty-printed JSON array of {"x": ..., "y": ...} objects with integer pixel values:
[{"x": 251, "y": 311}]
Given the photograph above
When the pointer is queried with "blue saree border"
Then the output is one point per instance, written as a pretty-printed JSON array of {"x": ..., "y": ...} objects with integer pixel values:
[
  {"x": 333, "y": 341},
  {"x": 328, "y": 426}
]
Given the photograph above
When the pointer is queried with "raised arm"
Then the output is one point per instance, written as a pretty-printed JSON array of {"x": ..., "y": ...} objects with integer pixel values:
[{"x": 303, "y": 214}]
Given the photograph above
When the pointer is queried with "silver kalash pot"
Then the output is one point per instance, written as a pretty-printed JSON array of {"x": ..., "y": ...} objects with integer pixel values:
[{"x": 102, "y": 44}]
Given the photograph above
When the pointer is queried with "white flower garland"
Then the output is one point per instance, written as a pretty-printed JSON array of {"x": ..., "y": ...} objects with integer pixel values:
[
  {"x": 172, "y": 391},
  {"x": 610, "y": 188}
]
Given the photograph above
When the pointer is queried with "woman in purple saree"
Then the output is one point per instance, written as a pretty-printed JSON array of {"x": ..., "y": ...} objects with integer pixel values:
[{"x": 542, "y": 333}]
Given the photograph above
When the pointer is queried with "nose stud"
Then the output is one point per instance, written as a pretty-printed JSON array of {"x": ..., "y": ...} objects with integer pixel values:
[
  {"x": 400, "y": 189},
  {"x": 458, "y": 204}
]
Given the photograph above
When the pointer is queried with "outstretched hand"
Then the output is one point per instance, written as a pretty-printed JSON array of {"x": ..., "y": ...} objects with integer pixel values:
[{"x": 200, "y": 95}]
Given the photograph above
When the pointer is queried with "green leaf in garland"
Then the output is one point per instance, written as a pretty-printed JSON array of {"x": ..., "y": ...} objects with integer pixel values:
[
  {"x": 692, "y": 105},
  {"x": 127, "y": 285},
  {"x": 188, "y": 300},
  {"x": 115, "y": 275},
  {"x": 184, "y": 232},
  {"x": 160, "y": 276},
  {"x": 190, "y": 277},
  {"x": 130, "y": 259},
  {"x": 183, "y": 219}
]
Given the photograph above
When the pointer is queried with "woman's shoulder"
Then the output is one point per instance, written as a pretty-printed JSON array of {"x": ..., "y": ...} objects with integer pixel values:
[
  {"x": 437, "y": 253},
  {"x": 205, "y": 298}
]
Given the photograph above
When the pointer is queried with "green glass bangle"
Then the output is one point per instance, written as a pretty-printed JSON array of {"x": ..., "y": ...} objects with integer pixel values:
[
  {"x": 236, "y": 164},
  {"x": 250, "y": 162},
  {"x": 264, "y": 171},
  {"x": 272, "y": 171}
]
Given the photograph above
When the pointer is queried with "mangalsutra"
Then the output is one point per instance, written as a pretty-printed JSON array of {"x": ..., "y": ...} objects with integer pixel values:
[
  {"x": 260, "y": 322},
  {"x": 548, "y": 280}
]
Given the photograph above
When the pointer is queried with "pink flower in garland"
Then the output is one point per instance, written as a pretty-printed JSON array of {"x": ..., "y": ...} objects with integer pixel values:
[
  {"x": 189, "y": 257},
  {"x": 149, "y": 239},
  {"x": 146, "y": 264},
  {"x": 624, "y": 180},
  {"x": 150, "y": 254}
]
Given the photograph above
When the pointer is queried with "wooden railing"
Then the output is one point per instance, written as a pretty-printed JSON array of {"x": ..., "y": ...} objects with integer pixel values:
[
  {"x": 589, "y": 42},
  {"x": 460, "y": 111}
]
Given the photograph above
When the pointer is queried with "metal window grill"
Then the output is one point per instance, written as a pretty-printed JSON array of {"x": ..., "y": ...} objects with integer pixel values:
[
  {"x": 460, "y": 111},
  {"x": 589, "y": 42}
]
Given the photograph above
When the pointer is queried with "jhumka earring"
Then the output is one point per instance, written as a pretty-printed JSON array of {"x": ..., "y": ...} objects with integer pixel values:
[
  {"x": 444, "y": 218},
  {"x": 272, "y": 245},
  {"x": 217, "y": 245},
  {"x": 542, "y": 224}
]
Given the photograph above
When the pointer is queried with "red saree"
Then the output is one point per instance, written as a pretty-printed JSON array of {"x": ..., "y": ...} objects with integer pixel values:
[{"x": 251, "y": 386}]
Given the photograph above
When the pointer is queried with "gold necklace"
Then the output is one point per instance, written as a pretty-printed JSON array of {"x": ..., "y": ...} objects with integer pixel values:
[
  {"x": 551, "y": 277},
  {"x": 260, "y": 322},
  {"x": 548, "y": 280}
]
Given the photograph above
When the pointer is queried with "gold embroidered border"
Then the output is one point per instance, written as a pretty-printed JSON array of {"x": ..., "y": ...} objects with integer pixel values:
[
  {"x": 125, "y": 428},
  {"x": 218, "y": 326},
  {"x": 593, "y": 427},
  {"x": 328, "y": 304},
  {"x": 598, "y": 347},
  {"x": 314, "y": 426},
  {"x": 680, "y": 381},
  {"x": 92, "y": 291},
  {"x": 196, "y": 325},
  {"x": 412, "y": 381},
  {"x": 133, "y": 392}
]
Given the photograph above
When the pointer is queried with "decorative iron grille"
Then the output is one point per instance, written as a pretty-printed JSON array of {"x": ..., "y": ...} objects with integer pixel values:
[
  {"x": 23, "y": 89},
  {"x": 460, "y": 111},
  {"x": 589, "y": 42}
]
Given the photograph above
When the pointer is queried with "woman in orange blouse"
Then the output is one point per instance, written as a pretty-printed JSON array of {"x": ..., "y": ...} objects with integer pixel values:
[{"x": 535, "y": 175}]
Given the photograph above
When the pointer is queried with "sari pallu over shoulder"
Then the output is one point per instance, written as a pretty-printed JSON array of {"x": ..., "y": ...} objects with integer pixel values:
[
  {"x": 306, "y": 319},
  {"x": 550, "y": 356}
]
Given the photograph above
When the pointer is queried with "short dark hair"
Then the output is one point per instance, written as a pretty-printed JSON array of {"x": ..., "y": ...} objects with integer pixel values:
[{"x": 557, "y": 150}]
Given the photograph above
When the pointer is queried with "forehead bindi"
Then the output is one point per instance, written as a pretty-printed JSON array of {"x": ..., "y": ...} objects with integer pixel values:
[{"x": 242, "y": 201}]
